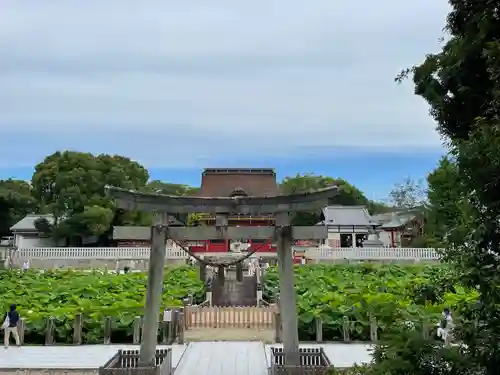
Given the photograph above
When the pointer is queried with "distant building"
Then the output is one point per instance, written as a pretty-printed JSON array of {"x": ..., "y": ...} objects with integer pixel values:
[
  {"x": 348, "y": 226},
  {"x": 220, "y": 182},
  {"x": 26, "y": 235},
  {"x": 234, "y": 182},
  {"x": 398, "y": 229}
]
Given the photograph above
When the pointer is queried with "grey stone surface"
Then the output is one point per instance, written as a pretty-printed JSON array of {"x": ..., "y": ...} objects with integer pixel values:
[
  {"x": 68, "y": 357},
  {"x": 200, "y": 358},
  {"x": 223, "y": 358}
]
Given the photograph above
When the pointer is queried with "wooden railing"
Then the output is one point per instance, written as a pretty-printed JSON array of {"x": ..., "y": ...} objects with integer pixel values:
[
  {"x": 347, "y": 329},
  {"x": 260, "y": 317},
  {"x": 194, "y": 317},
  {"x": 167, "y": 334}
]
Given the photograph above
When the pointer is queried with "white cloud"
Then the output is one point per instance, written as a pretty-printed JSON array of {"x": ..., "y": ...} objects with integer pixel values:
[{"x": 125, "y": 76}]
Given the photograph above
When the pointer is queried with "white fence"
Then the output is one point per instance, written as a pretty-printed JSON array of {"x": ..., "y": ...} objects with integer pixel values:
[
  {"x": 372, "y": 253},
  {"x": 142, "y": 253}
]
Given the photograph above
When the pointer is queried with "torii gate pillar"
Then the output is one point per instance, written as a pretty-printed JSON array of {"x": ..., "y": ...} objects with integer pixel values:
[
  {"x": 288, "y": 297},
  {"x": 154, "y": 290}
]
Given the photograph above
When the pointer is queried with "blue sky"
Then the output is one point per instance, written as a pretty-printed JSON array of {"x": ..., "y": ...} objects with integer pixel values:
[{"x": 298, "y": 86}]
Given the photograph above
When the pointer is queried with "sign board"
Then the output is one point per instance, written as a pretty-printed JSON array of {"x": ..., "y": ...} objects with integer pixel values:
[{"x": 167, "y": 315}]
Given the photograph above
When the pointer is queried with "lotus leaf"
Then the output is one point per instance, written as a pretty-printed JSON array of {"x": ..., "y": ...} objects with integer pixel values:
[
  {"x": 64, "y": 293},
  {"x": 387, "y": 292}
]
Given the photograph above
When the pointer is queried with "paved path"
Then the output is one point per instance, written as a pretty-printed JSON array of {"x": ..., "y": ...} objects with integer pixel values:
[
  {"x": 70, "y": 357},
  {"x": 197, "y": 358},
  {"x": 223, "y": 358}
]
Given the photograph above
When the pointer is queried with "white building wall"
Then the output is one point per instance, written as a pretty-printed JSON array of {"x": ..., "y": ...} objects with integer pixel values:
[
  {"x": 385, "y": 237},
  {"x": 333, "y": 239},
  {"x": 32, "y": 240}
]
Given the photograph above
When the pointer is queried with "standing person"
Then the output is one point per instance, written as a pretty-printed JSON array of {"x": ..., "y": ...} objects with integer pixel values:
[
  {"x": 10, "y": 322},
  {"x": 446, "y": 326}
]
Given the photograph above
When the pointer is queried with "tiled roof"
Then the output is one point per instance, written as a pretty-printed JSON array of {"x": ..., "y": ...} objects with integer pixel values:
[
  {"x": 347, "y": 215},
  {"x": 393, "y": 219},
  {"x": 28, "y": 223},
  {"x": 224, "y": 182}
]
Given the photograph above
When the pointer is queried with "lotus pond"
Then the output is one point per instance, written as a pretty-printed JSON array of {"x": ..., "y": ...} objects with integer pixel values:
[
  {"x": 63, "y": 294},
  {"x": 387, "y": 292},
  {"x": 390, "y": 293}
]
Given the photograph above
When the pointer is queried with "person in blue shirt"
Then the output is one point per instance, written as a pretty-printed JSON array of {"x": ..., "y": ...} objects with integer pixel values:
[{"x": 11, "y": 320}]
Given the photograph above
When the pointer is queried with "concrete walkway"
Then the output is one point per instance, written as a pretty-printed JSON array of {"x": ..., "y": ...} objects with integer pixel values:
[{"x": 200, "y": 358}]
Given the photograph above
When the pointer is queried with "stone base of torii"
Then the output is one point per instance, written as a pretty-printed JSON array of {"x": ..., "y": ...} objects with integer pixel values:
[{"x": 282, "y": 207}]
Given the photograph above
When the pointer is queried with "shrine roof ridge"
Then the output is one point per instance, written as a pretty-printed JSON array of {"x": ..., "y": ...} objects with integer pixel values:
[{"x": 268, "y": 171}]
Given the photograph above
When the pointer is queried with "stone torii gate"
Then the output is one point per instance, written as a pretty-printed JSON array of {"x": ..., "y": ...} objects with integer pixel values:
[{"x": 281, "y": 206}]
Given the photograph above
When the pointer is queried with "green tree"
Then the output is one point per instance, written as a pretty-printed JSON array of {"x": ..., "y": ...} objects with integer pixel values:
[
  {"x": 16, "y": 202},
  {"x": 407, "y": 195},
  {"x": 462, "y": 86},
  {"x": 167, "y": 188},
  {"x": 70, "y": 186},
  {"x": 348, "y": 195},
  {"x": 160, "y": 187},
  {"x": 447, "y": 209}
]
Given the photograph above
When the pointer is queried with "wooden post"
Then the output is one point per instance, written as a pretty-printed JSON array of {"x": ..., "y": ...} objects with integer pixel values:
[
  {"x": 77, "y": 329},
  {"x": 319, "y": 329},
  {"x": 186, "y": 314},
  {"x": 181, "y": 327},
  {"x": 373, "y": 329},
  {"x": 49, "y": 332},
  {"x": 137, "y": 330},
  {"x": 164, "y": 332},
  {"x": 277, "y": 328},
  {"x": 345, "y": 329},
  {"x": 20, "y": 331},
  {"x": 107, "y": 330},
  {"x": 203, "y": 272},
  {"x": 171, "y": 327}
]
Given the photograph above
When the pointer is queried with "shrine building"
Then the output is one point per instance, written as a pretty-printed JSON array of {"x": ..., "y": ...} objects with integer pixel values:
[{"x": 220, "y": 182}]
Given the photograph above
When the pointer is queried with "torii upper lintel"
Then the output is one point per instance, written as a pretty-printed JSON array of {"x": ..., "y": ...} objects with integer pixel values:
[{"x": 138, "y": 201}]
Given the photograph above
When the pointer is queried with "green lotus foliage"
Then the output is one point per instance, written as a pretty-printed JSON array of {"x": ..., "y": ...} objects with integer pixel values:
[
  {"x": 390, "y": 293},
  {"x": 64, "y": 293}
]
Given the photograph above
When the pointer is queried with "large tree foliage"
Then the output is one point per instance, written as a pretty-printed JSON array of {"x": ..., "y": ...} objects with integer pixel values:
[
  {"x": 70, "y": 186},
  {"x": 348, "y": 195},
  {"x": 166, "y": 188},
  {"x": 408, "y": 194},
  {"x": 461, "y": 84},
  {"x": 15, "y": 202},
  {"x": 448, "y": 208}
]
